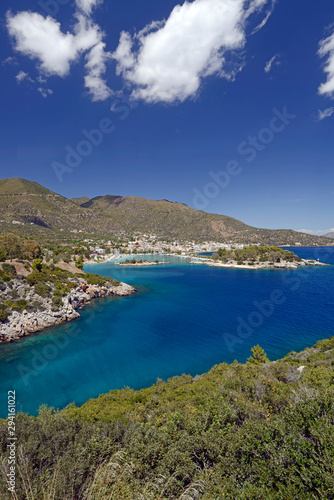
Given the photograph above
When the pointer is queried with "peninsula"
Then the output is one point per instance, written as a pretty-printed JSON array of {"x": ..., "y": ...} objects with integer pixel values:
[
  {"x": 134, "y": 262},
  {"x": 256, "y": 257},
  {"x": 35, "y": 294}
]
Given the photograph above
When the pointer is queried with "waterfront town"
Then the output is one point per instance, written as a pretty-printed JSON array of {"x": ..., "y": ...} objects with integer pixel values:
[{"x": 103, "y": 250}]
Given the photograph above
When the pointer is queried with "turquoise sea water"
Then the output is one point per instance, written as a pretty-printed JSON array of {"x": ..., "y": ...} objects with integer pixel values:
[{"x": 184, "y": 319}]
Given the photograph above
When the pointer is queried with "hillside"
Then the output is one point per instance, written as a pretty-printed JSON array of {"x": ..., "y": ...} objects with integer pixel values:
[
  {"x": 37, "y": 211},
  {"x": 174, "y": 220},
  {"x": 329, "y": 235},
  {"x": 241, "y": 431},
  {"x": 43, "y": 212}
]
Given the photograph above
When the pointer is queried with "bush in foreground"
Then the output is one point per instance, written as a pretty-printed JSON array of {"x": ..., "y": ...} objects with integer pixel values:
[{"x": 254, "y": 430}]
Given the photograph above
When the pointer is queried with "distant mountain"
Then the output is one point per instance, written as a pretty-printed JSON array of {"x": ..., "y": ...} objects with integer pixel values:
[
  {"x": 49, "y": 215},
  {"x": 80, "y": 201},
  {"x": 329, "y": 235}
]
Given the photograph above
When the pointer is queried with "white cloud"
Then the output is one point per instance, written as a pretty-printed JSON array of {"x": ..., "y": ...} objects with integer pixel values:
[
  {"x": 166, "y": 61},
  {"x": 321, "y": 115},
  {"x": 41, "y": 38},
  {"x": 87, "y": 5},
  {"x": 274, "y": 61},
  {"x": 22, "y": 75},
  {"x": 327, "y": 50},
  {"x": 172, "y": 57},
  {"x": 45, "y": 92},
  {"x": 96, "y": 67}
]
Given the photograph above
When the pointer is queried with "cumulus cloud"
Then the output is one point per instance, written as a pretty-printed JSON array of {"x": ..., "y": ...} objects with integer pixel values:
[
  {"x": 167, "y": 60},
  {"x": 326, "y": 49},
  {"x": 321, "y": 115},
  {"x": 274, "y": 61},
  {"x": 41, "y": 39}
]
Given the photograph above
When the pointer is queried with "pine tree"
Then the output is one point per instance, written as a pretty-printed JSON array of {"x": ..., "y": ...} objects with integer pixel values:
[{"x": 258, "y": 355}]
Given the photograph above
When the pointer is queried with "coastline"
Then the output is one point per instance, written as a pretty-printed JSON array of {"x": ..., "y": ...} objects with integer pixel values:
[
  {"x": 21, "y": 324},
  {"x": 113, "y": 260}
]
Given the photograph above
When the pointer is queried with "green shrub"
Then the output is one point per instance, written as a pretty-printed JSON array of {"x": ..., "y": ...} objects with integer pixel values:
[
  {"x": 80, "y": 263},
  {"x": 37, "y": 265},
  {"x": 22, "y": 303},
  {"x": 4, "y": 276},
  {"x": 238, "y": 431},
  {"x": 43, "y": 289},
  {"x": 3, "y": 254},
  {"x": 57, "y": 301},
  {"x": 13, "y": 294},
  {"x": 4, "y": 312},
  {"x": 35, "y": 305},
  {"x": 95, "y": 279},
  {"x": 9, "y": 270}
]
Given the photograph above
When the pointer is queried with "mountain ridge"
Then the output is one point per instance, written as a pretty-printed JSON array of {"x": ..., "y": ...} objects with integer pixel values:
[{"x": 34, "y": 209}]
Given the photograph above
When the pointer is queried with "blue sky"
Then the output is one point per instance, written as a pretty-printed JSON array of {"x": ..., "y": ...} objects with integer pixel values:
[{"x": 226, "y": 105}]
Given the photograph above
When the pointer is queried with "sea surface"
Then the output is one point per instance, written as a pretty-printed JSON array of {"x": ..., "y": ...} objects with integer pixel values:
[{"x": 185, "y": 318}]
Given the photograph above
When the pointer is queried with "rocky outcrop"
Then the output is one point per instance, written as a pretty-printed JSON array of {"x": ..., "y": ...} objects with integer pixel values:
[{"x": 19, "y": 324}]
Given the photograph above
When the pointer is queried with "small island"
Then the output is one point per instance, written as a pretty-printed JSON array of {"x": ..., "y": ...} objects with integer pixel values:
[
  {"x": 256, "y": 257},
  {"x": 140, "y": 262}
]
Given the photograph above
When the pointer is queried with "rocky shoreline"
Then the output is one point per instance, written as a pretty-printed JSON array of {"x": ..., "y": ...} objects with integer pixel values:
[{"x": 20, "y": 324}]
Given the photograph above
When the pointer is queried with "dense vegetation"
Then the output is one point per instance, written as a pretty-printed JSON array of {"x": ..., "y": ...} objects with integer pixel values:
[
  {"x": 38, "y": 212},
  {"x": 14, "y": 247},
  {"x": 241, "y": 431},
  {"x": 256, "y": 254}
]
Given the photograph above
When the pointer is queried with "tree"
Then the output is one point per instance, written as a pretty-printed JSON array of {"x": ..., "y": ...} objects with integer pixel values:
[
  {"x": 31, "y": 250},
  {"x": 79, "y": 263},
  {"x": 3, "y": 254},
  {"x": 4, "y": 313},
  {"x": 37, "y": 265},
  {"x": 258, "y": 355},
  {"x": 11, "y": 244},
  {"x": 222, "y": 252}
]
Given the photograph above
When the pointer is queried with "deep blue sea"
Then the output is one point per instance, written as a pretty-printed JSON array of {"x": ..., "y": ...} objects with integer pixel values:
[{"x": 184, "y": 319}]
